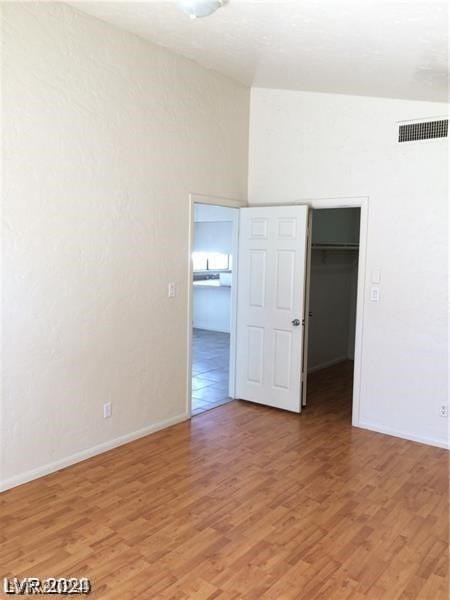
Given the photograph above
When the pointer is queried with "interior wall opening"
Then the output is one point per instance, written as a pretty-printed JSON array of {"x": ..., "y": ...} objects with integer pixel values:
[
  {"x": 333, "y": 285},
  {"x": 213, "y": 257}
]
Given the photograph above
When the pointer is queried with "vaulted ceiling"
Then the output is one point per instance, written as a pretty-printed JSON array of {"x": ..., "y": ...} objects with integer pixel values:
[{"x": 390, "y": 48}]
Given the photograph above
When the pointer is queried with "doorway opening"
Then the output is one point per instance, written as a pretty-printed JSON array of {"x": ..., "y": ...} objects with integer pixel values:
[
  {"x": 273, "y": 290},
  {"x": 332, "y": 292},
  {"x": 213, "y": 257}
]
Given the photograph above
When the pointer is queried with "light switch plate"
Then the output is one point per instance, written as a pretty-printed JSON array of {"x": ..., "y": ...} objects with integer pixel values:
[
  {"x": 171, "y": 290},
  {"x": 376, "y": 275},
  {"x": 374, "y": 294}
]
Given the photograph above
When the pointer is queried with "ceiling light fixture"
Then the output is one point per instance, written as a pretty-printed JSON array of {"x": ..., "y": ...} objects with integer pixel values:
[{"x": 199, "y": 8}]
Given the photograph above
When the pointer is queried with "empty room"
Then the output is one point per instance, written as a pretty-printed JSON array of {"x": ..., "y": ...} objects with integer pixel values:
[{"x": 225, "y": 300}]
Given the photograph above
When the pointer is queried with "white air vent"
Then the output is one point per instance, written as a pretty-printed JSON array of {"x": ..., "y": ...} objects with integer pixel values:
[{"x": 423, "y": 131}]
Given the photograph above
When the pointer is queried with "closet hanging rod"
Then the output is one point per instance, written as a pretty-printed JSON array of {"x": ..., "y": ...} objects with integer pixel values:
[{"x": 335, "y": 246}]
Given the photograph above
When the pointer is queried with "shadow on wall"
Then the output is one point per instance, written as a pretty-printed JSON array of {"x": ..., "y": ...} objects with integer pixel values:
[{"x": 333, "y": 286}]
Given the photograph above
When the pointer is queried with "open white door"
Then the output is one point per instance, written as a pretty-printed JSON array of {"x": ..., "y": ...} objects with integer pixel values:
[{"x": 271, "y": 296}]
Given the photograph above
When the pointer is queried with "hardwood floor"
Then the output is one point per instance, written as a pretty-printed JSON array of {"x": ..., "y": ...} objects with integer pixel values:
[{"x": 244, "y": 502}]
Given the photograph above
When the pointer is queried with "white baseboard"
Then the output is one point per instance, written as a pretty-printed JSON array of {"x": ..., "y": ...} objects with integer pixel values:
[
  {"x": 429, "y": 441},
  {"x": 129, "y": 437},
  {"x": 329, "y": 363},
  {"x": 89, "y": 452}
]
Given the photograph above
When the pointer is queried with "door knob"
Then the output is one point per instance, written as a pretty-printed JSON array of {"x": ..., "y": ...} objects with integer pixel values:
[{"x": 296, "y": 322}]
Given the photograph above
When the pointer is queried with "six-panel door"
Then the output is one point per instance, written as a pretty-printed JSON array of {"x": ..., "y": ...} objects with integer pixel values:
[{"x": 271, "y": 284}]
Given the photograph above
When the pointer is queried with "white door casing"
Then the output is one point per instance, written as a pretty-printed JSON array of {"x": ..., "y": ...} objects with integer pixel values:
[
  {"x": 271, "y": 296},
  {"x": 306, "y": 307}
]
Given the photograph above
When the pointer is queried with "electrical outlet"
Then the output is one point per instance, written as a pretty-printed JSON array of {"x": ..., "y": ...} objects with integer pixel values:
[
  {"x": 107, "y": 410},
  {"x": 443, "y": 411}
]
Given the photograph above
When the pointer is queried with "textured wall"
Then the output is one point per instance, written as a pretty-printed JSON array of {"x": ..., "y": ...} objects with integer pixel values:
[
  {"x": 306, "y": 145},
  {"x": 104, "y": 137}
]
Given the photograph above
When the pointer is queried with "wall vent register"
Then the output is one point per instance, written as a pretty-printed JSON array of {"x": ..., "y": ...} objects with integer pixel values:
[{"x": 423, "y": 131}]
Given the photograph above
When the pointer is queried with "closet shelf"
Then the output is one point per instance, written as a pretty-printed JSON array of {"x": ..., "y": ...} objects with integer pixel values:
[{"x": 336, "y": 246}]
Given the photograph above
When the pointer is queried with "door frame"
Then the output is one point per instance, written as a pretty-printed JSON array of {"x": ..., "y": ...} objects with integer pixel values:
[
  {"x": 306, "y": 313},
  {"x": 227, "y": 203},
  {"x": 361, "y": 202}
]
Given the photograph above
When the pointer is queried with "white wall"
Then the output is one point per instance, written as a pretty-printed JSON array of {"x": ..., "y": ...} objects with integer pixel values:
[
  {"x": 308, "y": 145},
  {"x": 211, "y": 308},
  {"x": 212, "y": 305},
  {"x": 213, "y": 237},
  {"x": 104, "y": 136},
  {"x": 206, "y": 213}
]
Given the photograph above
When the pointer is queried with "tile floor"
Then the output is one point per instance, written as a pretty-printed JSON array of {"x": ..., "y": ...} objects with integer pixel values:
[{"x": 210, "y": 363}]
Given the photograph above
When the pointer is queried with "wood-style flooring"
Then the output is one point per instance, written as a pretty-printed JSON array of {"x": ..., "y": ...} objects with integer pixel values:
[{"x": 245, "y": 502}]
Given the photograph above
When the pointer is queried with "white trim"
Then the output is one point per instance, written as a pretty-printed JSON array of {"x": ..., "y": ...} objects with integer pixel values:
[
  {"x": 424, "y": 119},
  {"x": 89, "y": 452},
  {"x": 328, "y": 363},
  {"x": 333, "y": 202},
  {"x": 215, "y": 200},
  {"x": 307, "y": 293},
  {"x": 233, "y": 307},
  {"x": 430, "y": 441},
  {"x": 228, "y": 203},
  {"x": 361, "y": 202}
]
